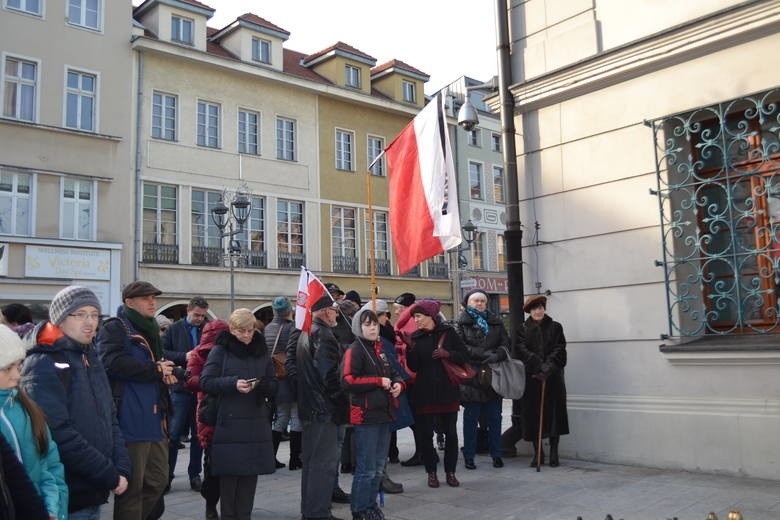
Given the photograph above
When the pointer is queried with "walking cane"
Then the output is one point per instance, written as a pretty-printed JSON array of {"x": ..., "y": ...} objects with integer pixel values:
[{"x": 541, "y": 424}]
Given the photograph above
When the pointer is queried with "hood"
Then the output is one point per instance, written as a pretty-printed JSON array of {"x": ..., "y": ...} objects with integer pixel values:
[
  {"x": 357, "y": 330},
  {"x": 211, "y": 330}
]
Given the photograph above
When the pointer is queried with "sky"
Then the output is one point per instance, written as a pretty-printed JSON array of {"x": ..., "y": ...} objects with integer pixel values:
[{"x": 446, "y": 39}]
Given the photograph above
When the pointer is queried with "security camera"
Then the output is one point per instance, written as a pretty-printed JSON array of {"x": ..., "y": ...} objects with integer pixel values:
[{"x": 467, "y": 116}]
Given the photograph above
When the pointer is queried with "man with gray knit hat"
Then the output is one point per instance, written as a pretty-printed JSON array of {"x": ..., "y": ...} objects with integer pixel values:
[{"x": 64, "y": 376}]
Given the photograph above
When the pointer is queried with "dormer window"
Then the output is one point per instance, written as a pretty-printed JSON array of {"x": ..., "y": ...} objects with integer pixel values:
[
  {"x": 352, "y": 76},
  {"x": 181, "y": 30},
  {"x": 410, "y": 94},
  {"x": 261, "y": 50}
]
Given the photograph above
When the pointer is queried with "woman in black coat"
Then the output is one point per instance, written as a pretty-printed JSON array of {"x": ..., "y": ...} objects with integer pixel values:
[
  {"x": 484, "y": 334},
  {"x": 434, "y": 397},
  {"x": 239, "y": 370},
  {"x": 543, "y": 351}
]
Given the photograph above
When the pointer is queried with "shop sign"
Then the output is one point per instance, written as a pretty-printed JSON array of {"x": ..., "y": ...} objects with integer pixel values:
[
  {"x": 487, "y": 284},
  {"x": 67, "y": 262}
]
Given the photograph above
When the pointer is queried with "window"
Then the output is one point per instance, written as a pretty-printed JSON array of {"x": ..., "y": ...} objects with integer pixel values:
[
  {"x": 475, "y": 180},
  {"x": 261, "y": 50},
  {"x": 352, "y": 76},
  {"x": 344, "y": 150},
  {"x": 20, "y": 89},
  {"x": 248, "y": 138},
  {"x": 15, "y": 203},
  {"x": 375, "y": 147},
  {"x": 498, "y": 184},
  {"x": 478, "y": 252},
  {"x": 437, "y": 266},
  {"x": 28, "y": 6},
  {"x": 181, "y": 30},
  {"x": 409, "y": 92},
  {"x": 80, "y": 100},
  {"x": 252, "y": 239},
  {"x": 289, "y": 233},
  {"x": 208, "y": 124},
  {"x": 163, "y": 116},
  {"x": 501, "y": 251},
  {"x": 475, "y": 138},
  {"x": 85, "y": 13},
  {"x": 380, "y": 243},
  {"x": 78, "y": 209},
  {"x": 718, "y": 174},
  {"x": 206, "y": 242},
  {"x": 159, "y": 224},
  {"x": 285, "y": 139},
  {"x": 343, "y": 239},
  {"x": 495, "y": 140}
]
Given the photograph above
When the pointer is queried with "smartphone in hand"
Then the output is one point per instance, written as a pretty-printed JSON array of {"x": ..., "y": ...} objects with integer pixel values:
[{"x": 250, "y": 381}]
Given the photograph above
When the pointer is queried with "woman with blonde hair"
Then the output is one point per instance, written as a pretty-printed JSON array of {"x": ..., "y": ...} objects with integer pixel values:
[{"x": 240, "y": 372}]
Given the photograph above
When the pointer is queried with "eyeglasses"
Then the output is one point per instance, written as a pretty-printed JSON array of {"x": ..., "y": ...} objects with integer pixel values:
[{"x": 83, "y": 316}]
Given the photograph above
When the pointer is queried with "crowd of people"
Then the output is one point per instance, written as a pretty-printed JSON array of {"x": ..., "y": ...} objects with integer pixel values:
[{"x": 105, "y": 402}]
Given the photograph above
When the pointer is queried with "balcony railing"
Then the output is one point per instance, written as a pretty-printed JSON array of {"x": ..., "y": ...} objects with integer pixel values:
[
  {"x": 202, "y": 255},
  {"x": 437, "y": 270},
  {"x": 345, "y": 264},
  {"x": 160, "y": 253},
  {"x": 291, "y": 260},
  {"x": 382, "y": 266},
  {"x": 256, "y": 259},
  {"x": 413, "y": 272}
]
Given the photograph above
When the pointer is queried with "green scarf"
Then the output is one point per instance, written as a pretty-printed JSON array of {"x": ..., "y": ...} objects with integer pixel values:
[{"x": 150, "y": 330}]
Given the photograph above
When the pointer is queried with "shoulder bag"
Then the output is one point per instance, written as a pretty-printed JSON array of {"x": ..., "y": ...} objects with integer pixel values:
[
  {"x": 209, "y": 405},
  {"x": 508, "y": 378},
  {"x": 278, "y": 357},
  {"x": 457, "y": 374}
]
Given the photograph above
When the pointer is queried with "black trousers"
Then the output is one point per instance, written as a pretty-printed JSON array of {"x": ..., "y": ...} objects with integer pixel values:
[
  {"x": 237, "y": 494},
  {"x": 448, "y": 425}
]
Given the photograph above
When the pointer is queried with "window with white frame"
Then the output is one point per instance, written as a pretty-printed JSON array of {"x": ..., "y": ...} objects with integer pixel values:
[
  {"x": 475, "y": 181},
  {"x": 248, "y": 132},
  {"x": 20, "y": 88},
  {"x": 352, "y": 76},
  {"x": 409, "y": 92},
  {"x": 208, "y": 124},
  {"x": 164, "y": 116},
  {"x": 252, "y": 239},
  {"x": 85, "y": 13},
  {"x": 27, "y": 6},
  {"x": 501, "y": 251},
  {"x": 495, "y": 140},
  {"x": 261, "y": 50},
  {"x": 181, "y": 29},
  {"x": 206, "y": 247},
  {"x": 160, "y": 205},
  {"x": 498, "y": 184},
  {"x": 475, "y": 138},
  {"x": 78, "y": 209},
  {"x": 344, "y": 142},
  {"x": 343, "y": 236},
  {"x": 15, "y": 203},
  {"x": 289, "y": 227},
  {"x": 285, "y": 139},
  {"x": 80, "y": 100},
  {"x": 375, "y": 147},
  {"x": 380, "y": 243},
  {"x": 478, "y": 252}
]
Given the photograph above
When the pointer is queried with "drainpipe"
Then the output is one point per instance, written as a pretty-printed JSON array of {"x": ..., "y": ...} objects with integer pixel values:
[{"x": 138, "y": 187}]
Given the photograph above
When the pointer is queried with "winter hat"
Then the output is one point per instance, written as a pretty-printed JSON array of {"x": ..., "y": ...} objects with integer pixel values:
[
  {"x": 357, "y": 330},
  {"x": 334, "y": 289},
  {"x": 427, "y": 307},
  {"x": 68, "y": 300},
  {"x": 533, "y": 301},
  {"x": 139, "y": 288},
  {"x": 323, "y": 303},
  {"x": 405, "y": 299},
  {"x": 281, "y": 305},
  {"x": 353, "y": 296},
  {"x": 11, "y": 347},
  {"x": 163, "y": 321},
  {"x": 472, "y": 293},
  {"x": 347, "y": 307},
  {"x": 381, "y": 307}
]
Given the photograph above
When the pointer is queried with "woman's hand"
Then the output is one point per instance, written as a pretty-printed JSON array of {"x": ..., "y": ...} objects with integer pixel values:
[
  {"x": 440, "y": 353},
  {"x": 395, "y": 390},
  {"x": 244, "y": 386}
]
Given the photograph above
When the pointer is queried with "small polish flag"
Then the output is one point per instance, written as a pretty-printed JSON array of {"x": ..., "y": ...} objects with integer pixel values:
[
  {"x": 310, "y": 289},
  {"x": 424, "y": 219}
]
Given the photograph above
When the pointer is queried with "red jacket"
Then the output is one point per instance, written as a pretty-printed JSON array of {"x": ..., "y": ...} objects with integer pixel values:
[
  {"x": 195, "y": 364},
  {"x": 404, "y": 328}
]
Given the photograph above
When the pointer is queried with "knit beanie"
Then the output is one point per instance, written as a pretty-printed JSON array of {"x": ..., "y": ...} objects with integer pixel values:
[
  {"x": 68, "y": 300},
  {"x": 11, "y": 347},
  {"x": 281, "y": 305}
]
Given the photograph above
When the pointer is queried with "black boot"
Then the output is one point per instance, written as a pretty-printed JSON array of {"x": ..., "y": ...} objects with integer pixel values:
[
  {"x": 277, "y": 438},
  {"x": 295, "y": 450},
  {"x": 536, "y": 454},
  {"x": 554, "y": 462}
]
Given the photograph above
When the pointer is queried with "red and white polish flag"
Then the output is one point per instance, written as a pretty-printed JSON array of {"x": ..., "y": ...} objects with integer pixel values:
[
  {"x": 310, "y": 289},
  {"x": 424, "y": 219}
]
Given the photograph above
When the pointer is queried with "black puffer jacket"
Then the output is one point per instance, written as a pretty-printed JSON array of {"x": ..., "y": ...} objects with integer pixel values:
[
  {"x": 320, "y": 397},
  {"x": 480, "y": 347},
  {"x": 242, "y": 442}
]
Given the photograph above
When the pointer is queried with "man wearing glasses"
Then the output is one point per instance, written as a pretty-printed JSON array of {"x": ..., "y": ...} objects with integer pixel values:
[{"x": 131, "y": 349}]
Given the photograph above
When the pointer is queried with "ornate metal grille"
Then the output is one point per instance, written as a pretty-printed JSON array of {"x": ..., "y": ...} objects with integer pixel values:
[{"x": 718, "y": 174}]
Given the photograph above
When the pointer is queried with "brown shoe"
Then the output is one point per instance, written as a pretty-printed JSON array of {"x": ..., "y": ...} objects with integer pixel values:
[
  {"x": 433, "y": 480},
  {"x": 452, "y": 481}
]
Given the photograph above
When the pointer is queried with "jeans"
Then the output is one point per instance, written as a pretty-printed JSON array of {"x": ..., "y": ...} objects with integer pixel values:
[
  {"x": 371, "y": 442},
  {"x": 89, "y": 513},
  {"x": 183, "y": 420},
  {"x": 471, "y": 412},
  {"x": 287, "y": 414}
]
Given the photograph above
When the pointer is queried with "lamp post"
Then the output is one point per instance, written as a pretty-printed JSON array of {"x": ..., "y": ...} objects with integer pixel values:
[
  {"x": 467, "y": 118},
  {"x": 469, "y": 235},
  {"x": 226, "y": 218}
]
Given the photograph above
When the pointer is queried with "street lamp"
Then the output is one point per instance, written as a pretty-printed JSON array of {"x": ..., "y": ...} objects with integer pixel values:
[
  {"x": 467, "y": 118},
  {"x": 469, "y": 234},
  {"x": 224, "y": 217}
]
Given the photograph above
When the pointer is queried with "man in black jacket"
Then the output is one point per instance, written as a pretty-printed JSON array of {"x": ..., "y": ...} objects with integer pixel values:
[
  {"x": 320, "y": 408},
  {"x": 178, "y": 342}
]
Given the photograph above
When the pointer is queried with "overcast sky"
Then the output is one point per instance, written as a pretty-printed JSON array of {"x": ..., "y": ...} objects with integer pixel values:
[{"x": 445, "y": 39}]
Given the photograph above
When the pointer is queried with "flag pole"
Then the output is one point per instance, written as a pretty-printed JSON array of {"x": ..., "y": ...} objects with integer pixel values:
[{"x": 371, "y": 251}]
